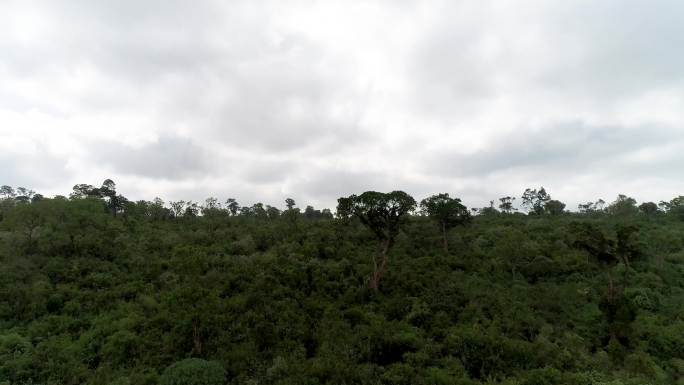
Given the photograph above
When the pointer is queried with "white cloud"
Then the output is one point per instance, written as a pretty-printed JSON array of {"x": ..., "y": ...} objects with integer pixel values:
[{"x": 266, "y": 99}]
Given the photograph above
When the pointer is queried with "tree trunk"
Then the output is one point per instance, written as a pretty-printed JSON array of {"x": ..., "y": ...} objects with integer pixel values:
[
  {"x": 625, "y": 261},
  {"x": 196, "y": 338},
  {"x": 444, "y": 239},
  {"x": 379, "y": 271},
  {"x": 611, "y": 288}
]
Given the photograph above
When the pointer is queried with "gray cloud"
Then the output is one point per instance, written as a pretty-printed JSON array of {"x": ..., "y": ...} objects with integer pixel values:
[
  {"x": 567, "y": 148},
  {"x": 171, "y": 158},
  {"x": 38, "y": 168},
  {"x": 261, "y": 100}
]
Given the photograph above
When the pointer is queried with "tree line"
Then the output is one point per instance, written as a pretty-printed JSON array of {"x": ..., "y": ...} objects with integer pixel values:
[{"x": 98, "y": 289}]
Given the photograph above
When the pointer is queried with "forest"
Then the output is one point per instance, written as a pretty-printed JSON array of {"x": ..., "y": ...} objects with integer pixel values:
[{"x": 384, "y": 289}]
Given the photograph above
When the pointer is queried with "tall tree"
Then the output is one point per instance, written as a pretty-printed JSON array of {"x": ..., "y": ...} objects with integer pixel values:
[
  {"x": 310, "y": 212},
  {"x": 83, "y": 190},
  {"x": 623, "y": 206},
  {"x": 272, "y": 212},
  {"x": 506, "y": 205},
  {"x": 674, "y": 207},
  {"x": 290, "y": 203},
  {"x": 591, "y": 207},
  {"x": 383, "y": 214},
  {"x": 192, "y": 209},
  {"x": 233, "y": 206},
  {"x": 211, "y": 203},
  {"x": 627, "y": 247},
  {"x": 648, "y": 208},
  {"x": 108, "y": 193},
  {"x": 535, "y": 200},
  {"x": 178, "y": 208},
  {"x": 7, "y": 192},
  {"x": 554, "y": 207},
  {"x": 447, "y": 212},
  {"x": 258, "y": 211}
]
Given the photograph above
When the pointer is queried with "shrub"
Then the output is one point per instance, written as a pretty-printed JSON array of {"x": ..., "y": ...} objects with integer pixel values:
[{"x": 194, "y": 371}]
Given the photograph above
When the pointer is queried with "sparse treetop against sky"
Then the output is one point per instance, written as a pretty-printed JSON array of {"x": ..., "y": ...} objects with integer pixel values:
[{"x": 263, "y": 100}]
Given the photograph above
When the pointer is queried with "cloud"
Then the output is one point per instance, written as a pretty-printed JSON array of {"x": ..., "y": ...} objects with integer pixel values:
[
  {"x": 565, "y": 148},
  {"x": 261, "y": 100},
  {"x": 170, "y": 158}
]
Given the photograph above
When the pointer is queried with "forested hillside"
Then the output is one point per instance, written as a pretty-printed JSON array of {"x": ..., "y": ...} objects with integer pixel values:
[{"x": 95, "y": 289}]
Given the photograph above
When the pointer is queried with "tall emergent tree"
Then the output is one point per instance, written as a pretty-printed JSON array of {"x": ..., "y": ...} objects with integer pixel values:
[
  {"x": 535, "y": 200},
  {"x": 7, "y": 192},
  {"x": 290, "y": 203},
  {"x": 447, "y": 212},
  {"x": 554, "y": 207},
  {"x": 383, "y": 214},
  {"x": 506, "y": 205},
  {"x": 233, "y": 206}
]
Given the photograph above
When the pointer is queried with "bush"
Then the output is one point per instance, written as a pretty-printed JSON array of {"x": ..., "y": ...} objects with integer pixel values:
[{"x": 194, "y": 371}]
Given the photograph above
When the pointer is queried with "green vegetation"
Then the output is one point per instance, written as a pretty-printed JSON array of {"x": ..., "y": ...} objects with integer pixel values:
[{"x": 95, "y": 289}]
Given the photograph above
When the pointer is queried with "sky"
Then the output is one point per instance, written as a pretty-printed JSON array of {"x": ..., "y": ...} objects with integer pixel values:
[{"x": 314, "y": 100}]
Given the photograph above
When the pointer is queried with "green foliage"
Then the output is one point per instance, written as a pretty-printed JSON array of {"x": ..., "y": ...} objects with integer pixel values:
[
  {"x": 91, "y": 295},
  {"x": 554, "y": 207},
  {"x": 536, "y": 201},
  {"x": 193, "y": 371},
  {"x": 623, "y": 206},
  {"x": 447, "y": 212}
]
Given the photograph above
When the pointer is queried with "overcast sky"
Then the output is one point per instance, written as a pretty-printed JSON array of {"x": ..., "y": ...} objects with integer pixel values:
[{"x": 263, "y": 100}]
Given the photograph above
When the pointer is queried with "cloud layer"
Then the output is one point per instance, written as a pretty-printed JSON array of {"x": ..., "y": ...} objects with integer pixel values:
[{"x": 263, "y": 100}]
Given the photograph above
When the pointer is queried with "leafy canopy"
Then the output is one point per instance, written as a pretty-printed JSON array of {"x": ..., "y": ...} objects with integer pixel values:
[
  {"x": 448, "y": 211},
  {"x": 381, "y": 212}
]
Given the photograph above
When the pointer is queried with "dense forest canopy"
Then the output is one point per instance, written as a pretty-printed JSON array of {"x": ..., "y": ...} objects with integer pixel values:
[{"x": 98, "y": 289}]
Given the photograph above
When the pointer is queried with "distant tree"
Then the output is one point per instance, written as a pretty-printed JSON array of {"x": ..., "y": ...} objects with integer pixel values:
[
  {"x": 616, "y": 307},
  {"x": 213, "y": 213},
  {"x": 108, "y": 188},
  {"x": 310, "y": 212},
  {"x": 7, "y": 192},
  {"x": 233, "y": 206},
  {"x": 290, "y": 203},
  {"x": 192, "y": 209},
  {"x": 599, "y": 204},
  {"x": 487, "y": 210},
  {"x": 447, "y": 212},
  {"x": 623, "y": 206},
  {"x": 27, "y": 219},
  {"x": 257, "y": 210},
  {"x": 326, "y": 213},
  {"x": 383, "y": 214},
  {"x": 272, "y": 212},
  {"x": 648, "y": 208},
  {"x": 291, "y": 213},
  {"x": 37, "y": 198},
  {"x": 506, "y": 205},
  {"x": 585, "y": 208},
  {"x": 81, "y": 191},
  {"x": 675, "y": 207},
  {"x": 627, "y": 247},
  {"x": 600, "y": 248},
  {"x": 591, "y": 207},
  {"x": 212, "y": 203},
  {"x": 245, "y": 211},
  {"x": 157, "y": 211},
  {"x": 24, "y": 195},
  {"x": 608, "y": 252},
  {"x": 178, "y": 208},
  {"x": 554, "y": 207},
  {"x": 115, "y": 203},
  {"x": 534, "y": 201}
]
